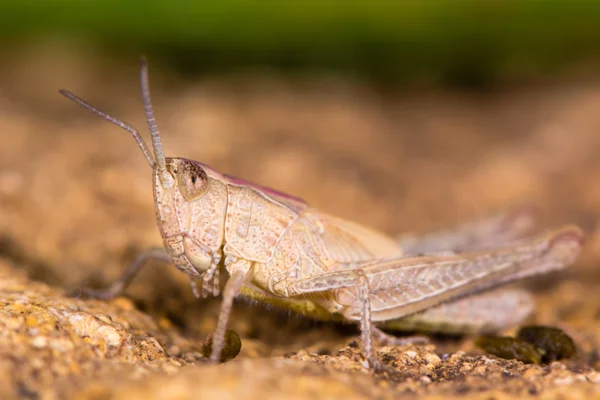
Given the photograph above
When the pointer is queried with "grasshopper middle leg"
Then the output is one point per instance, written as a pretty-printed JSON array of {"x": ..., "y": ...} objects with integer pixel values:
[
  {"x": 119, "y": 286},
  {"x": 355, "y": 279}
]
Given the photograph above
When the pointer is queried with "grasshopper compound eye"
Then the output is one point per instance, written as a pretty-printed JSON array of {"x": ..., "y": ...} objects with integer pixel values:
[{"x": 192, "y": 180}]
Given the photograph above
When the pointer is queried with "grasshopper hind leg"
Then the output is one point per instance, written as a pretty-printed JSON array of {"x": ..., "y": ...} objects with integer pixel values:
[
  {"x": 391, "y": 289},
  {"x": 484, "y": 313}
]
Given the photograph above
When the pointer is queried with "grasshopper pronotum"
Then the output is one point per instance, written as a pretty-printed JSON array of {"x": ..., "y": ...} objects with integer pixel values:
[{"x": 277, "y": 249}]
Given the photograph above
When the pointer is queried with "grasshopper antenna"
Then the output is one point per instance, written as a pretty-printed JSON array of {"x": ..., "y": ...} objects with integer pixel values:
[
  {"x": 129, "y": 128},
  {"x": 165, "y": 178}
]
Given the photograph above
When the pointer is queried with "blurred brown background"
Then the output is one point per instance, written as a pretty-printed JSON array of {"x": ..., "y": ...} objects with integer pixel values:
[{"x": 410, "y": 118}]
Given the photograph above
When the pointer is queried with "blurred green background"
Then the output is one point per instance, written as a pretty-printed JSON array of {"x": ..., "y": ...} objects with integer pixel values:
[{"x": 460, "y": 42}]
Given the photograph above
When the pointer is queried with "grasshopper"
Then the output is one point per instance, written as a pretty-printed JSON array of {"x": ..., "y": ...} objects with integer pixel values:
[{"x": 277, "y": 249}]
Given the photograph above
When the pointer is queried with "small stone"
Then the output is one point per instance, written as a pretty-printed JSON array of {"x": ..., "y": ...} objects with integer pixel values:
[
  {"x": 466, "y": 367},
  {"x": 532, "y": 372},
  {"x": 303, "y": 355},
  {"x": 433, "y": 359},
  {"x": 39, "y": 342},
  {"x": 62, "y": 345},
  {"x": 510, "y": 348},
  {"x": 480, "y": 370},
  {"x": 83, "y": 324},
  {"x": 231, "y": 349},
  {"x": 564, "y": 380},
  {"x": 174, "y": 351},
  {"x": 110, "y": 335},
  {"x": 554, "y": 344},
  {"x": 593, "y": 376},
  {"x": 410, "y": 354},
  {"x": 176, "y": 363},
  {"x": 192, "y": 357},
  {"x": 123, "y": 303},
  {"x": 104, "y": 318}
]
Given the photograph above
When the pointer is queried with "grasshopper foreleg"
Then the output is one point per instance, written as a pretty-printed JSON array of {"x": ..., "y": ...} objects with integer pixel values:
[
  {"x": 210, "y": 281},
  {"x": 195, "y": 290},
  {"x": 239, "y": 271},
  {"x": 118, "y": 287}
]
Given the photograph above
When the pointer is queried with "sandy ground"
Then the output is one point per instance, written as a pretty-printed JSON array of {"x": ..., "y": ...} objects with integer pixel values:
[{"x": 76, "y": 206}]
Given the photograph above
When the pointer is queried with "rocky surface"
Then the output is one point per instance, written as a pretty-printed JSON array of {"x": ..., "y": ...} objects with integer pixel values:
[{"x": 76, "y": 206}]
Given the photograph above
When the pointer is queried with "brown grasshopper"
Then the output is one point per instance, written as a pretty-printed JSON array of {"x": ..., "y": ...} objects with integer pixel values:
[{"x": 277, "y": 249}]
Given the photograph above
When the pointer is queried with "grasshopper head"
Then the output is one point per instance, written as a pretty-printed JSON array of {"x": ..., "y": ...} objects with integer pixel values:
[
  {"x": 188, "y": 210},
  {"x": 180, "y": 192},
  {"x": 181, "y": 198}
]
